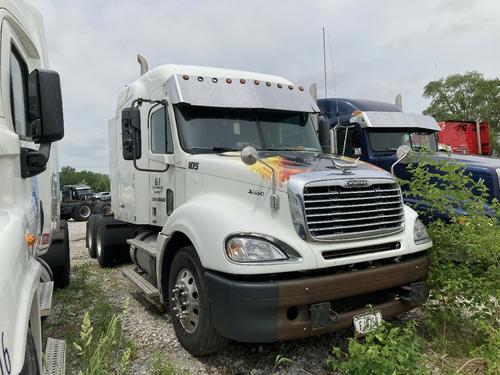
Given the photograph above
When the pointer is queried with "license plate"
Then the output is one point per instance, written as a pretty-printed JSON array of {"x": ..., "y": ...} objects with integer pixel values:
[{"x": 364, "y": 323}]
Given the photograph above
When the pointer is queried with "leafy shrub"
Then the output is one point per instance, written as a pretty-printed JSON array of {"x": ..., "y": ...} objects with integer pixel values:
[
  {"x": 464, "y": 276},
  {"x": 388, "y": 350}
]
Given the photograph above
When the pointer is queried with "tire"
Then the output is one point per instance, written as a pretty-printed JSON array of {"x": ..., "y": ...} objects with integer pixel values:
[
  {"x": 102, "y": 208},
  {"x": 62, "y": 271},
  {"x": 81, "y": 212},
  {"x": 104, "y": 253},
  {"x": 90, "y": 235},
  {"x": 31, "y": 366},
  {"x": 196, "y": 331}
]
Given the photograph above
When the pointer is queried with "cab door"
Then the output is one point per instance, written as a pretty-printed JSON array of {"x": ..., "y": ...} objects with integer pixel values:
[{"x": 161, "y": 165}]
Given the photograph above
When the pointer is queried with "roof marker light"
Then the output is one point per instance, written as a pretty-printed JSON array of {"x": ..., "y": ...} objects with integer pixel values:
[
  {"x": 268, "y": 84},
  {"x": 229, "y": 80},
  {"x": 200, "y": 79},
  {"x": 242, "y": 81},
  {"x": 256, "y": 82},
  {"x": 215, "y": 80},
  {"x": 185, "y": 76},
  {"x": 279, "y": 85},
  {"x": 290, "y": 87},
  {"x": 301, "y": 88}
]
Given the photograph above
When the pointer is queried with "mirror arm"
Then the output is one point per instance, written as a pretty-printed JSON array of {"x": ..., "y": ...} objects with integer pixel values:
[
  {"x": 145, "y": 169},
  {"x": 397, "y": 162},
  {"x": 139, "y": 102},
  {"x": 275, "y": 199}
]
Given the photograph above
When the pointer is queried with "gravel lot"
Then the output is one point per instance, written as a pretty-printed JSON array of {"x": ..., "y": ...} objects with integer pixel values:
[{"x": 148, "y": 324}]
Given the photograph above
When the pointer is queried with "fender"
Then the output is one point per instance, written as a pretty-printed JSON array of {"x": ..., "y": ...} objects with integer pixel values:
[
  {"x": 19, "y": 278},
  {"x": 208, "y": 236}
]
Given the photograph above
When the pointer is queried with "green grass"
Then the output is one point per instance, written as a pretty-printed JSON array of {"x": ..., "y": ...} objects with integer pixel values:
[
  {"x": 159, "y": 365},
  {"x": 84, "y": 294}
]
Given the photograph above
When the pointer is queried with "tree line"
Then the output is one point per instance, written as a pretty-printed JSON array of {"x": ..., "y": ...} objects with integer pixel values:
[
  {"x": 97, "y": 181},
  {"x": 466, "y": 97}
]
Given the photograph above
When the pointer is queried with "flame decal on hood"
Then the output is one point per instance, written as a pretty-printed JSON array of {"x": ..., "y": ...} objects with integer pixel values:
[{"x": 283, "y": 167}]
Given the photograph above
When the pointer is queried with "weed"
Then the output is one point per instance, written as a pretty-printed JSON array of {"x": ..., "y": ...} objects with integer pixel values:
[
  {"x": 161, "y": 366},
  {"x": 106, "y": 353},
  {"x": 387, "y": 350}
]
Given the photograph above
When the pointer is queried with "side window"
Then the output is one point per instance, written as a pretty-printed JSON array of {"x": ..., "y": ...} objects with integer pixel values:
[
  {"x": 161, "y": 135},
  {"x": 19, "y": 94},
  {"x": 352, "y": 142}
]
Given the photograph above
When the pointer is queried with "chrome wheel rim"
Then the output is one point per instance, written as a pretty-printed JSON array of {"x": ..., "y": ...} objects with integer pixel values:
[
  {"x": 186, "y": 300},
  {"x": 85, "y": 211}
]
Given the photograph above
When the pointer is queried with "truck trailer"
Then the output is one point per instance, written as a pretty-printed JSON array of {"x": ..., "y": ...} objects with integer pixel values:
[
  {"x": 238, "y": 222},
  {"x": 31, "y": 123}
]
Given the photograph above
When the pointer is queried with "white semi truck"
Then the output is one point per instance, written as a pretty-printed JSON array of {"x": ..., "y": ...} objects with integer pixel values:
[
  {"x": 31, "y": 120},
  {"x": 239, "y": 223}
]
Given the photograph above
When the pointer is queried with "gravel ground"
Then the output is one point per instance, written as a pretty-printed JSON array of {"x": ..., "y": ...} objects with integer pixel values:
[{"x": 148, "y": 324}]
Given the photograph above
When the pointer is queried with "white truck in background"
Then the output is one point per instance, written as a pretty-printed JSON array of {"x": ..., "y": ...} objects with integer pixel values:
[
  {"x": 31, "y": 121},
  {"x": 238, "y": 222}
]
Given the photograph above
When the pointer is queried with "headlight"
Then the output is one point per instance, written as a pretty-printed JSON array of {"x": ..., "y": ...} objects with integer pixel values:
[
  {"x": 249, "y": 249},
  {"x": 420, "y": 234}
]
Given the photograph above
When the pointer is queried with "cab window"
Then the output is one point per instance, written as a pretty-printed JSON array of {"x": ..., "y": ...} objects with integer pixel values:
[
  {"x": 351, "y": 139},
  {"x": 161, "y": 135},
  {"x": 19, "y": 94}
]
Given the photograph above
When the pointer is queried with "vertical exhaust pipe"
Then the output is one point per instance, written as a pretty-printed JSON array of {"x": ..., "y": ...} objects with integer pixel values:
[{"x": 143, "y": 63}]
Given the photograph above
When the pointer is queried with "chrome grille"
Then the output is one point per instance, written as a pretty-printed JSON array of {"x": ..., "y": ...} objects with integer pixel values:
[{"x": 335, "y": 212}]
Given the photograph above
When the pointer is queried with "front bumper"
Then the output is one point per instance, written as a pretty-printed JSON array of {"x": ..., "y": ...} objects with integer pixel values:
[{"x": 268, "y": 311}]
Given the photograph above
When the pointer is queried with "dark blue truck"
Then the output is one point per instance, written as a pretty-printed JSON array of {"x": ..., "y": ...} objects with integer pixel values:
[{"x": 373, "y": 131}]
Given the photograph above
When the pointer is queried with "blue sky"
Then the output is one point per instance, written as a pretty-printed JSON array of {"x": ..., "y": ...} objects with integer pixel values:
[{"x": 378, "y": 49}]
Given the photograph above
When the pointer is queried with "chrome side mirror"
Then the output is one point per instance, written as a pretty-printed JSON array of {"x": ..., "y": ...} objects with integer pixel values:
[
  {"x": 403, "y": 156},
  {"x": 249, "y": 155}
]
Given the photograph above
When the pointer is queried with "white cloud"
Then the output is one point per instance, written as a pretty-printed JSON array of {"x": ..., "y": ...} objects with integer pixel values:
[{"x": 379, "y": 49}]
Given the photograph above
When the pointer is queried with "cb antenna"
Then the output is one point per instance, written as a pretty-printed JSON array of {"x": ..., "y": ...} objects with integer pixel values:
[{"x": 324, "y": 63}]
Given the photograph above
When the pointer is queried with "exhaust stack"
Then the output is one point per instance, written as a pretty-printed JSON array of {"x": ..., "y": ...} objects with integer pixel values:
[{"x": 143, "y": 63}]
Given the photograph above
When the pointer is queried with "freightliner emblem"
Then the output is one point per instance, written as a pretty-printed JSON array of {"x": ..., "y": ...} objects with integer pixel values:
[{"x": 356, "y": 183}]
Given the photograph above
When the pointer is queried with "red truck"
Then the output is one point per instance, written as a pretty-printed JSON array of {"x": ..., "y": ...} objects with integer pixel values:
[{"x": 464, "y": 137}]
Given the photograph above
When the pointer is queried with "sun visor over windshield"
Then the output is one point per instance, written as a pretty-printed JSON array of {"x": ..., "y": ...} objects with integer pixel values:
[
  {"x": 238, "y": 93},
  {"x": 373, "y": 119}
]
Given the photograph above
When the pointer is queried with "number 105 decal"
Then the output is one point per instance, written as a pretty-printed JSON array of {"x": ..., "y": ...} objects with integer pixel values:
[{"x": 5, "y": 367}]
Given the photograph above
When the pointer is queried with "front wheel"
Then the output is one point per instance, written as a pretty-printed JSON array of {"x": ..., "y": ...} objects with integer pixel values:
[{"x": 189, "y": 305}]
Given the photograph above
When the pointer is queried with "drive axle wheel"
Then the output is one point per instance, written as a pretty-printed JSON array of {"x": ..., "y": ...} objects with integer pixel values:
[{"x": 189, "y": 304}]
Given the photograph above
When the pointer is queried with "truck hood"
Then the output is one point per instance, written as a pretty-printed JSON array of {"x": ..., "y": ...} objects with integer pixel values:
[
  {"x": 285, "y": 164},
  {"x": 470, "y": 160}
]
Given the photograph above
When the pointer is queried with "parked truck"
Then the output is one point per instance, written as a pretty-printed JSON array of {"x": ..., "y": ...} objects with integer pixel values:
[
  {"x": 237, "y": 221},
  {"x": 373, "y": 131},
  {"x": 79, "y": 202},
  {"x": 464, "y": 137},
  {"x": 31, "y": 122}
]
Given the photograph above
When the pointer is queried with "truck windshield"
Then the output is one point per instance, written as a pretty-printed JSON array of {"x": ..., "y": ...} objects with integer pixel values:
[
  {"x": 210, "y": 129},
  {"x": 390, "y": 140}
]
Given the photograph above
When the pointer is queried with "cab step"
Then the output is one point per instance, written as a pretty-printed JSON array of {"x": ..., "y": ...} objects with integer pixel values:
[
  {"x": 55, "y": 357},
  {"x": 45, "y": 294},
  {"x": 147, "y": 247},
  {"x": 140, "y": 282}
]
